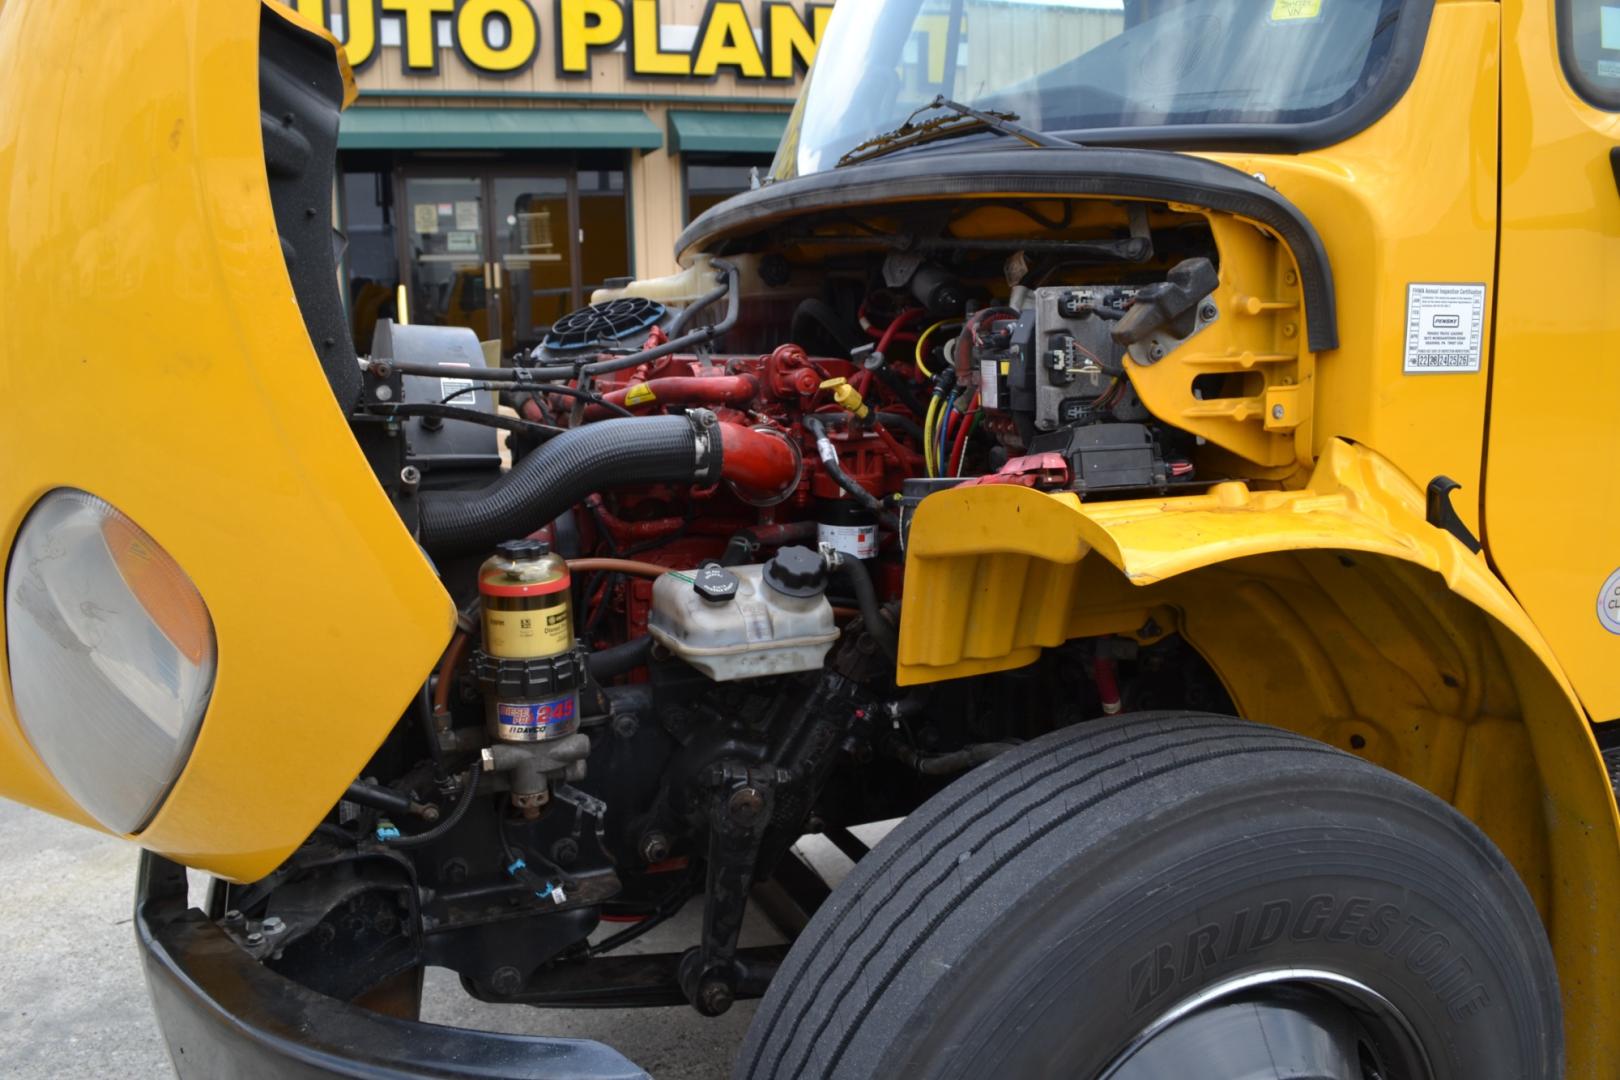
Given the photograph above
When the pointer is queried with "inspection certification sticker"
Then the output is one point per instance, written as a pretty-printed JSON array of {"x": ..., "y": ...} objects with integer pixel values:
[{"x": 1445, "y": 328}]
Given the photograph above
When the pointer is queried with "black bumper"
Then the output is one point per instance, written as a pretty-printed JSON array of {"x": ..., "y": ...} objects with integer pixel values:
[{"x": 225, "y": 1015}]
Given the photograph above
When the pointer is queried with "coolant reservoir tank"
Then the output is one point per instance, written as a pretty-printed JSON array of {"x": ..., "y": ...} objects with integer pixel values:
[{"x": 742, "y": 622}]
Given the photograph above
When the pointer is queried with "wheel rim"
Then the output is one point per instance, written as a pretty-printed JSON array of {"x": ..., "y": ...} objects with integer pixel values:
[{"x": 1287, "y": 1022}]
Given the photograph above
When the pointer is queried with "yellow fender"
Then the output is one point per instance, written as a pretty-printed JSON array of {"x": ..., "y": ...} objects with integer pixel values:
[{"x": 1336, "y": 611}]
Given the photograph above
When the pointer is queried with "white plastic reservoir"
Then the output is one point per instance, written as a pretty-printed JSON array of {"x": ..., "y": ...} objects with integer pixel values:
[{"x": 733, "y": 623}]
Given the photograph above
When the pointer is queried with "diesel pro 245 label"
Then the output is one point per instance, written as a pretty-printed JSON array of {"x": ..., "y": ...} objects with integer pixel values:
[{"x": 1445, "y": 328}]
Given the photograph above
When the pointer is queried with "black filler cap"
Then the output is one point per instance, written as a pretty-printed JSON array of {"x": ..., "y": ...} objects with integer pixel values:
[
  {"x": 715, "y": 584},
  {"x": 797, "y": 571},
  {"x": 518, "y": 550}
]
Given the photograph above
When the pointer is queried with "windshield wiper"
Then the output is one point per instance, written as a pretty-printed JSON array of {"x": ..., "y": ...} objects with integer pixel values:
[{"x": 966, "y": 119}]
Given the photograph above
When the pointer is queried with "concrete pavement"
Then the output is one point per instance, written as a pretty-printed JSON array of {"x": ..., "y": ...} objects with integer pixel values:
[{"x": 73, "y": 1001}]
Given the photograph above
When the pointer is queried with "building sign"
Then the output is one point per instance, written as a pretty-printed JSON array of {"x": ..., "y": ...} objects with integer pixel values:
[{"x": 504, "y": 37}]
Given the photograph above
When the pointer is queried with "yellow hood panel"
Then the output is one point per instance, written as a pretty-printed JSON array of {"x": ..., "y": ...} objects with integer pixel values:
[{"x": 152, "y": 353}]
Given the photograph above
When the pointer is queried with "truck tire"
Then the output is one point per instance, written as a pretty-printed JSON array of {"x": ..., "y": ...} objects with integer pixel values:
[{"x": 1169, "y": 895}]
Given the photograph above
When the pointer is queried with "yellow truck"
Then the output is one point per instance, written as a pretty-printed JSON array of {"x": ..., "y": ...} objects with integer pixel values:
[{"x": 1135, "y": 442}]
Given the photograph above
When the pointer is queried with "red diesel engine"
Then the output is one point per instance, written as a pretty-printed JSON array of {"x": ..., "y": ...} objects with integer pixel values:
[{"x": 854, "y": 435}]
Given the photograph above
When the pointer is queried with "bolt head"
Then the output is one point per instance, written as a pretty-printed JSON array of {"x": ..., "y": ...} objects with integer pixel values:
[
  {"x": 1207, "y": 312},
  {"x": 1276, "y": 412},
  {"x": 745, "y": 805},
  {"x": 1156, "y": 351},
  {"x": 714, "y": 997},
  {"x": 273, "y": 926},
  {"x": 255, "y": 938},
  {"x": 565, "y": 851},
  {"x": 655, "y": 847}
]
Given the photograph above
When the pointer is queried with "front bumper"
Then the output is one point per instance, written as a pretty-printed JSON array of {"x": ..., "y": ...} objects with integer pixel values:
[{"x": 224, "y": 1014}]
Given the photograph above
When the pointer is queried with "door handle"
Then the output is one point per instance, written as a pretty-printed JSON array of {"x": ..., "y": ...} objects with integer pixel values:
[{"x": 1614, "y": 165}]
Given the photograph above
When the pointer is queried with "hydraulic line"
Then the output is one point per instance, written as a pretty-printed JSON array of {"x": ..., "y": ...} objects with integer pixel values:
[
  {"x": 447, "y": 674},
  {"x": 464, "y": 416},
  {"x": 860, "y": 582},
  {"x": 678, "y": 324},
  {"x": 955, "y": 761},
  {"x": 620, "y": 659},
  {"x": 450, "y": 822},
  {"x": 829, "y": 461},
  {"x": 617, "y": 566}
]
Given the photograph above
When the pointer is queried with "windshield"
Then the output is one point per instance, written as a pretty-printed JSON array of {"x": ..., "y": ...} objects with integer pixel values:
[{"x": 1121, "y": 70}]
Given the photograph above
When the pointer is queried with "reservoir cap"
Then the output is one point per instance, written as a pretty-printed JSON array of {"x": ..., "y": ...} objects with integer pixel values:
[
  {"x": 521, "y": 550},
  {"x": 715, "y": 584},
  {"x": 797, "y": 571}
]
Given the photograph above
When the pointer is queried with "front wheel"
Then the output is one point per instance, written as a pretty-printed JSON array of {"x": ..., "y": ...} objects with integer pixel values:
[{"x": 1171, "y": 895}]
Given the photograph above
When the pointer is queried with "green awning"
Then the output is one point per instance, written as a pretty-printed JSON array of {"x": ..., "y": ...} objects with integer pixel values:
[
  {"x": 497, "y": 129},
  {"x": 725, "y": 132}
]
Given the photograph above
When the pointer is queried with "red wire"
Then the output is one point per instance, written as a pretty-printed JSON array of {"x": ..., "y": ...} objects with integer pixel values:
[
  {"x": 897, "y": 324},
  {"x": 960, "y": 443},
  {"x": 862, "y": 380}
]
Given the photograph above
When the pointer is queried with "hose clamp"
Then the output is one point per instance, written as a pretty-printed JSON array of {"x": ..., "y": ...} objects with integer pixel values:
[{"x": 706, "y": 444}]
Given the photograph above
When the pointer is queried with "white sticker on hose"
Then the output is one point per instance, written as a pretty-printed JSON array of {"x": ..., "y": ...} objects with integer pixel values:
[
  {"x": 1445, "y": 328},
  {"x": 860, "y": 541}
]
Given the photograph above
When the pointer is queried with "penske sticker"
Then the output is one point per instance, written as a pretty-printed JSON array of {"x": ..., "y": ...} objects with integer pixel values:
[{"x": 1445, "y": 328}]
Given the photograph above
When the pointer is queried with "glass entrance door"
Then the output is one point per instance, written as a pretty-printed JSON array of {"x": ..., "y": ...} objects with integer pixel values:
[
  {"x": 534, "y": 255},
  {"x": 446, "y": 239},
  {"x": 509, "y": 252}
]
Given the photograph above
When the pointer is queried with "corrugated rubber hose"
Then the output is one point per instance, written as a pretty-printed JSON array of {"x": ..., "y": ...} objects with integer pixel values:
[{"x": 546, "y": 482}]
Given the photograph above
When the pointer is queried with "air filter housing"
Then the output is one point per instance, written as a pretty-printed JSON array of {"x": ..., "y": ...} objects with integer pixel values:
[{"x": 602, "y": 325}]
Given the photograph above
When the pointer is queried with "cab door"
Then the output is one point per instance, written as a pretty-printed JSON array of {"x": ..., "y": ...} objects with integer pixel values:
[{"x": 1552, "y": 488}]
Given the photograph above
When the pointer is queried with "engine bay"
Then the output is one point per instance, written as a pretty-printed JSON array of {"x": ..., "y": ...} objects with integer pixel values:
[{"x": 676, "y": 533}]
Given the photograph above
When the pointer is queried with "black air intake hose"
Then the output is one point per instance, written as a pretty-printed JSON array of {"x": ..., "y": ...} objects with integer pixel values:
[{"x": 545, "y": 483}]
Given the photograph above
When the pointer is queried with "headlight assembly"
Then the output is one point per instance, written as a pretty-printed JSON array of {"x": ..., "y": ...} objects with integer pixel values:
[{"x": 112, "y": 656}]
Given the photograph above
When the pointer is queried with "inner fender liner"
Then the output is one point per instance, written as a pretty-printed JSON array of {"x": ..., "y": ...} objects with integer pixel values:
[
  {"x": 1111, "y": 172},
  {"x": 300, "y": 99}
]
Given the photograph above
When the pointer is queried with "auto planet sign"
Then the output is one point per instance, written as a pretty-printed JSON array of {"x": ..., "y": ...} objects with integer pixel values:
[{"x": 503, "y": 37}]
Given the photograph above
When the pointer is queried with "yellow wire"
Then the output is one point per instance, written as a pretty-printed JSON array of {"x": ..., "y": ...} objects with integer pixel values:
[
  {"x": 928, "y": 427},
  {"x": 922, "y": 347},
  {"x": 930, "y": 418}
]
